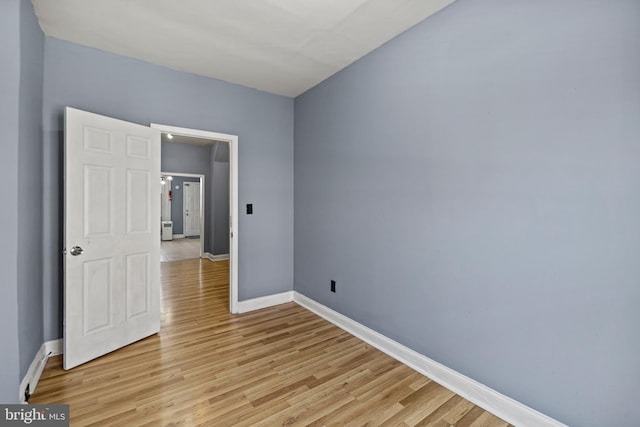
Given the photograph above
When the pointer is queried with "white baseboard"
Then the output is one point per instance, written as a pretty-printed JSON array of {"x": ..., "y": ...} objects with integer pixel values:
[
  {"x": 47, "y": 349},
  {"x": 54, "y": 347},
  {"x": 178, "y": 236},
  {"x": 214, "y": 258},
  {"x": 264, "y": 302},
  {"x": 498, "y": 404}
]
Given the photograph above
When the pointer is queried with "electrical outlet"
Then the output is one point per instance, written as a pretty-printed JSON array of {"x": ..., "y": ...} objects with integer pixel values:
[{"x": 333, "y": 286}]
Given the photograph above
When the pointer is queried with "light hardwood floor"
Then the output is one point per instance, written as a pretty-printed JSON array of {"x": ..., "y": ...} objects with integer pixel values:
[
  {"x": 179, "y": 249},
  {"x": 278, "y": 366}
]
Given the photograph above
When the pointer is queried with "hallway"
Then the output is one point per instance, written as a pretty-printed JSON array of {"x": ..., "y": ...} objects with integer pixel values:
[{"x": 179, "y": 249}]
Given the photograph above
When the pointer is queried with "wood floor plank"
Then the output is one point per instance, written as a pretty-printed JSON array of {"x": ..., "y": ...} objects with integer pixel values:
[{"x": 278, "y": 366}]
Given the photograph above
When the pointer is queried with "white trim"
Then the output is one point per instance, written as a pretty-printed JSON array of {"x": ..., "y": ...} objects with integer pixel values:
[
  {"x": 47, "y": 349},
  {"x": 232, "y": 140},
  {"x": 233, "y": 225},
  {"x": 178, "y": 236},
  {"x": 264, "y": 302},
  {"x": 498, "y": 404},
  {"x": 214, "y": 258},
  {"x": 54, "y": 348}
]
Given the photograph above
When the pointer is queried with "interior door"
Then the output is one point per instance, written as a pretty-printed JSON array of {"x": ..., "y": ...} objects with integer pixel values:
[
  {"x": 191, "y": 209},
  {"x": 112, "y": 249}
]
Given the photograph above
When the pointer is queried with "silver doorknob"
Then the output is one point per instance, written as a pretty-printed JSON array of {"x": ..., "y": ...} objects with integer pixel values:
[{"x": 75, "y": 251}]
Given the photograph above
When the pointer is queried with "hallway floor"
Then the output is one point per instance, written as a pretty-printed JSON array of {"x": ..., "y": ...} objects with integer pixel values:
[{"x": 179, "y": 249}]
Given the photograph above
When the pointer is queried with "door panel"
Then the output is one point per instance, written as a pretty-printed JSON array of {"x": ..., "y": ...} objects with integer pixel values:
[
  {"x": 98, "y": 197},
  {"x": 138, "y": 285},
  {"x": 96, "y": 291},
  {"x": 138, "y": 195},
  {"x": 112, "y": 288}
]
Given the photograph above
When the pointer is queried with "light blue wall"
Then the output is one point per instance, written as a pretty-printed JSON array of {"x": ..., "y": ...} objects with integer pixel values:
[
  {"x": 21, "y": 47},
  {"x": 473, "y": 186},
  {"x": 9, "y": 119},
  {"x": 144, "y": 93},
  {"x": 29, "y": 247}
]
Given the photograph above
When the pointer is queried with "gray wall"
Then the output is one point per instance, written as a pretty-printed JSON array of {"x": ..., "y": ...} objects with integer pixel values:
[
  {"x": 474, "y": 188},
  {"x": 9, "y": 118},
  {"x": 220, "y": 195},
  {"x": 29, "y": 245},
  {"x": 221, "y": 208},
  {"x": 144, "y": 93}
]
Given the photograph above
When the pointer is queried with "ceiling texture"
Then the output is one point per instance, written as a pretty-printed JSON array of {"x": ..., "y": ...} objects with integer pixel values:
[{"x": 278, "y": 46}]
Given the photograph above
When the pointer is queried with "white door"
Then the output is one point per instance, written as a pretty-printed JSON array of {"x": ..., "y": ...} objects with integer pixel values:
[
  {"x": 191, "y": 209},
  {"x": 112, "y": 257}
]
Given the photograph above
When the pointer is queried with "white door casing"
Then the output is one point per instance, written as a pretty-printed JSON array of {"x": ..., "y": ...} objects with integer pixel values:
[
  {"x": 111, "y": 289},
  {"x": 232, "y": 140},
  {"x": 191, "y": 201}
]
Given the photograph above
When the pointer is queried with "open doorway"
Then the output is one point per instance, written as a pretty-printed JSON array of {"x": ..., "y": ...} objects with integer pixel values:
[
  {"x": 182, "y": 213},
  {"x": 218, "y": 144}
]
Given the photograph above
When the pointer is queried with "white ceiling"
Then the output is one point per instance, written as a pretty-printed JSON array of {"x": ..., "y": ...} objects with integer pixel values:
[{"x": 278, "y": 46}]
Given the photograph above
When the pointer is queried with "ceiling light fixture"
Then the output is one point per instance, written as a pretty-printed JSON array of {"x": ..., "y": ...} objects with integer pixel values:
[{"x": 169, "y": 136}]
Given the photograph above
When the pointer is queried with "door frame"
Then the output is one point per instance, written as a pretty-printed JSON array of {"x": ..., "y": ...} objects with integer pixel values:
[
  {"x": 202, "y": 196},
  {"x": 232, "y": 140}
]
